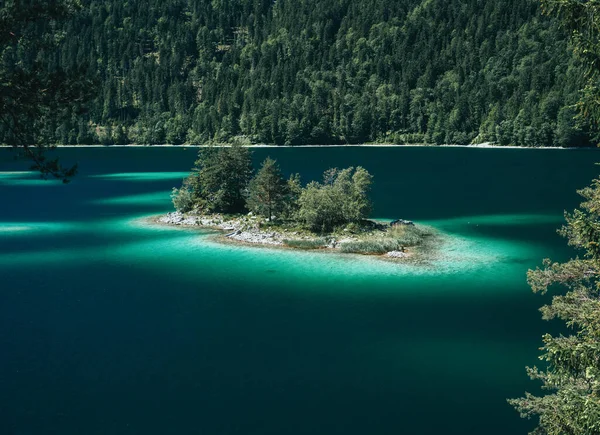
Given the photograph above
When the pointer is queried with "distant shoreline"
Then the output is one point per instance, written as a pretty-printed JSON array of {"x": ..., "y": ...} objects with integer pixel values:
[{"x": 479, "y": 146}]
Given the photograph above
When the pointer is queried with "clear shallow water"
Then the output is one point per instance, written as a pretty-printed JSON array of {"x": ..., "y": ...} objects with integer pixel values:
[{"x": 109, "y": 325}]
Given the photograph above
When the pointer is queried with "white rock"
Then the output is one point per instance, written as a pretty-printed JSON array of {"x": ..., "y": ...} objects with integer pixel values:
[{"x": 397, "y": 254}]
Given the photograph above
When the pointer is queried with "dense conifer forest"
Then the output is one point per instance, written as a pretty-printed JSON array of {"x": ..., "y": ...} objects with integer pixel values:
[{"x": 321, "y": 72}]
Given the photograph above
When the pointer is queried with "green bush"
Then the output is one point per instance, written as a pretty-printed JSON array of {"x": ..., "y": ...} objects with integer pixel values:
[
  {"x": 343, "y": 197},
  {"x": 183, "y": 199}
]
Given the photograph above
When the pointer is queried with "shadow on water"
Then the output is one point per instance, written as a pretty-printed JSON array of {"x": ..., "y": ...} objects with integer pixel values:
[{"x": 109, "y": 326}]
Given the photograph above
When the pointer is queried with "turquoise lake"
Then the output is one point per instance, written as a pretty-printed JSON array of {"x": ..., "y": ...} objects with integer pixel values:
[{"x": 109, "y": 325}]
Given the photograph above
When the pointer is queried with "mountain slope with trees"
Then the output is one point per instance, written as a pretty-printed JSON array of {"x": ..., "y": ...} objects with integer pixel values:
[{"x": 323, "y": 71}]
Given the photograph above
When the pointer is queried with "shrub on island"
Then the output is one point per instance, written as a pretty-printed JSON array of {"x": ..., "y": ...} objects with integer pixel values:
[
  {"x": 183, "y": 198},
  {"x": 375, "y": 246},
  {"x": 394, "y": 239},
  {"x": 342, "y": 198}
]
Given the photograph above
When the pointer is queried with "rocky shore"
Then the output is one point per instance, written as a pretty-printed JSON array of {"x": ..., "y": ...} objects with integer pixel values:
[
  {"x": 252, "y": 230},
  {"x": 241, "y": 229}
]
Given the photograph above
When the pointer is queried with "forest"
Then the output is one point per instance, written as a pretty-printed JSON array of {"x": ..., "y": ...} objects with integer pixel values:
[{"x": 319, "y": 72}]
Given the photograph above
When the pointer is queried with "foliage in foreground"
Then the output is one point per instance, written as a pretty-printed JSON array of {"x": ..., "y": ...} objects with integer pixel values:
[
  {"x": 36, "y": 98},
  {"x": 571, "y": 375}
]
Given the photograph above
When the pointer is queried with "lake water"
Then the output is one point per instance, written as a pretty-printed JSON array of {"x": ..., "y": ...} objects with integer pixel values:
[{"x": 111, "y": 326}]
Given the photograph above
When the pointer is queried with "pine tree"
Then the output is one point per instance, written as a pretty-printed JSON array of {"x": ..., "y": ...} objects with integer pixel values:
[
  {"x": 322, "y": 71},
  {"x": 572, "y": 363},
  {"x": 268, "y": 190},
  {"x": 220, "y": 179}
]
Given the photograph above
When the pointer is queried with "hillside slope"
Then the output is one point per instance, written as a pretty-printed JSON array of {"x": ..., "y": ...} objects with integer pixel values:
[{"x": 323, "y": 71}]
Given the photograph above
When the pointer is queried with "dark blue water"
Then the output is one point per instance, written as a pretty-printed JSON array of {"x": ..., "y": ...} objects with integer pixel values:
[{"x": 111, "y": 326}]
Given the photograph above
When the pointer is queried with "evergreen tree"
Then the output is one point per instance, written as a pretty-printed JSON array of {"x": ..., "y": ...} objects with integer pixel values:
[
  {"x": 324, "y": 71},
  {"x": 572, "y": 363},
  {"x": 220, "y": 179},
  {"x": 268, "y": 190},
  {"x": 582, "y": 21},
  {"x": 294, "y": 190}
]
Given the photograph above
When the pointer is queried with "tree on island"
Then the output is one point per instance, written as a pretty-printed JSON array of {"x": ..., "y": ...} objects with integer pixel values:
[
  {"x": 294, "y": 190},
  {"x": 221, "y": 182},
  {"x": 268, "y": 190},
  {"x": 342, "y": 198},
  {"x": 220, "y": 178},
  {"x": 183, "y": 198}
]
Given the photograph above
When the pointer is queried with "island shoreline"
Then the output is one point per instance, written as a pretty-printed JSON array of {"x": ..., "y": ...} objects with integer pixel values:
[{"x": 230, "y": 232}]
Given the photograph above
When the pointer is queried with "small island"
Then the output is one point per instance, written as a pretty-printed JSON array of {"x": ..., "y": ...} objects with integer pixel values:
[{"x": 223, "y": 193}]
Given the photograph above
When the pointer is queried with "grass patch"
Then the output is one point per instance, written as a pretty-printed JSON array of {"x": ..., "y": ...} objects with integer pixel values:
[
  {"x": 306, "y": 243},
  {"x": 409, "y": 235},
  {"x": 395, "y": 239},
  {"x": 376, "y": 246}
]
